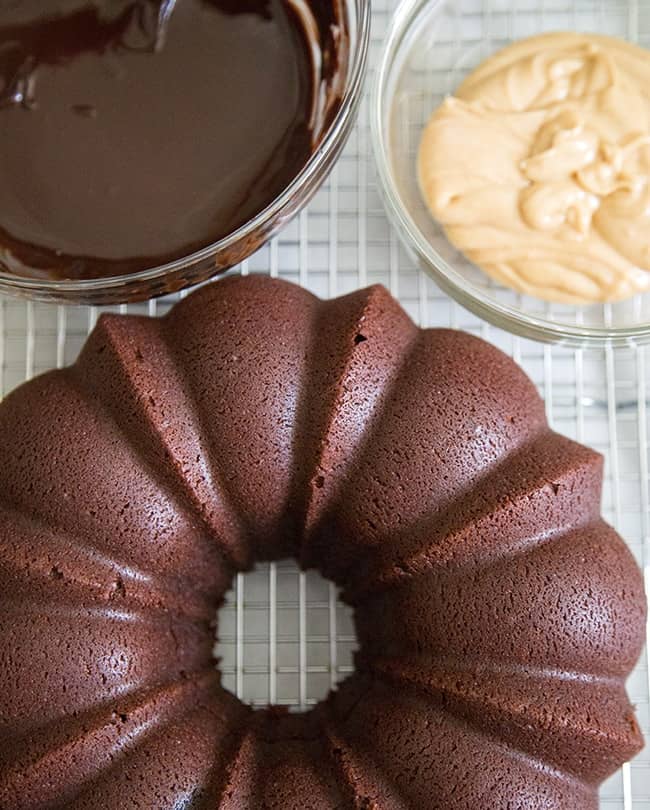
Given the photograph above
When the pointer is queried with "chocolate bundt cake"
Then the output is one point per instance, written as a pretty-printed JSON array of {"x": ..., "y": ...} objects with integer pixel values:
[{"x": 498, "y": 615}]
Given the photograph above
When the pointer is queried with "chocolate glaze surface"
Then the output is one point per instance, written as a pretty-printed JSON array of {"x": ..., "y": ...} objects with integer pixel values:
[{"x": 134, "y": 133}]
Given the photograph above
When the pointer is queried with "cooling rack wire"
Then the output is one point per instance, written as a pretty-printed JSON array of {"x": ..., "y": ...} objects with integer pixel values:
[{"x": 284, "y": 637}]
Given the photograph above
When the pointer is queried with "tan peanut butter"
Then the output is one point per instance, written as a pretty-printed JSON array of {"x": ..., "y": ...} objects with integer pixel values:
[{"x": 539, "y": 167}]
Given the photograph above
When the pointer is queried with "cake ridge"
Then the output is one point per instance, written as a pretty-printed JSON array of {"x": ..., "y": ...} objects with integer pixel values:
[
  {"x": 471, "y": 697},
  {"x": 177, "y": 500},
  {"x": 67, "y": 493},
  {"x": 87, "y": 571},
  {"x": 196, "y": 737},
  {"x": 84, "y": 660},
  {"x": 241, "y": 346},
  {"x": 353, "y": 768},
  {"x": 544, "y": 608},
  {"x": 373, "y": 425},
  {"x": 465, "y": 665},
  {"x": 454, "y": 544},
  {"x": 244, "y": 751},
  {"x": 216, "y": 781},
  {"x": 424, "y": 350},
  {"x": 110, "y": 722},
  {"x": 295, "y": 771},
  {"x": 123, "y": 614},
  {"x": 143, "y": 426},
  {"x": 388, "y": 716},
  {"x": 369, "y": 317},
  {"x": 200, "y": 681},
  {"x": 332, "y": 712}
]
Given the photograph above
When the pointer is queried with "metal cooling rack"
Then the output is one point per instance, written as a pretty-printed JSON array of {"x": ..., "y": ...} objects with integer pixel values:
[{"x": 284, "y": 638}]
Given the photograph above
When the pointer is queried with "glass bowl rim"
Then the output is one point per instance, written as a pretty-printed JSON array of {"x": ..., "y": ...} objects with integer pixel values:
[
  {"x": 513, "y": 319},
  {"x": 337, "y": 129}
]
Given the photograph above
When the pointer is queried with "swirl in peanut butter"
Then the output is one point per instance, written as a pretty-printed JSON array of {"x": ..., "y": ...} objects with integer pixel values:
[{"x": 539, "y": 167}]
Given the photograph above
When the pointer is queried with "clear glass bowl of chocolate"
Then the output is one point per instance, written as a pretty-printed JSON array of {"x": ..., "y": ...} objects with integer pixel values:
[
  {"x": 432, "y": 46},
  {"x": 147, "y": 145}
]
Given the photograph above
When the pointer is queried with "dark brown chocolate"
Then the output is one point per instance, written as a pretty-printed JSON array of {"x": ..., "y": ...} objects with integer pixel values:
[
  {"x": 134, "y": 133},
  {"x": 498, "y": 616}
]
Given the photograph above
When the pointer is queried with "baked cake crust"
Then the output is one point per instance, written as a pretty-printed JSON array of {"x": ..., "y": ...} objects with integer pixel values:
[{"x": 498, "y": 616}]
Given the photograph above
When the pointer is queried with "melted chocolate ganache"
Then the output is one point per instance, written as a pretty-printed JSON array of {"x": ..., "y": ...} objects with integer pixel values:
[{"x": 134, "y": 133}]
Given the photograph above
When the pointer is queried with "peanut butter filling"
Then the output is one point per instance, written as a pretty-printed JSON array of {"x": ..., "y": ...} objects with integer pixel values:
[{"x": 539, "y": 167}]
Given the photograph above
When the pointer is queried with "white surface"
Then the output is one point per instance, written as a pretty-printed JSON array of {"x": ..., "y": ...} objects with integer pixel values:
[{"x": 284, "y": 639}]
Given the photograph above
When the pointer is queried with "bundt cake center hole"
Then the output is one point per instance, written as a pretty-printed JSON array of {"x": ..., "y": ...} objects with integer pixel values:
[{"x": 284, "y": 637}]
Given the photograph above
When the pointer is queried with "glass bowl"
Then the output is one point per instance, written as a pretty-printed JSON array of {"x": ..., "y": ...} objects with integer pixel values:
[
  {"x": 431, "y": 46},
  {"x": 220, "y": 256}
]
